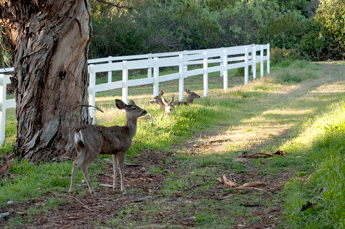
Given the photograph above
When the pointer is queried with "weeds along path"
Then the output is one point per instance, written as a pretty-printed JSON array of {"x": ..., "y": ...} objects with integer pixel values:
[
  {"x": 262, "y": 123},
  {"x": 199, "y": 183}
]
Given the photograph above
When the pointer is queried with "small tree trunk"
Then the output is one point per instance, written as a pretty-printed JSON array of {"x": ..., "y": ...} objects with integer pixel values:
[{"x": 50, "y": 43}]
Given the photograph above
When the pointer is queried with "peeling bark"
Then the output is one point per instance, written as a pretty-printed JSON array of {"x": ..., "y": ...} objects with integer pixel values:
[{"x": 50, "y": 44}]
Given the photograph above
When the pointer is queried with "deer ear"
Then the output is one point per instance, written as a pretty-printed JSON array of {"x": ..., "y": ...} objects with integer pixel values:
[
  {"x": 120, "y": 104},
  {"x": 161, "y": 92},
  {"x": 172, "y": 100},
  {"x": 188, "y": 91},
  {"x": 164, "y": 101},
  {"x": 131, "y": 102}
]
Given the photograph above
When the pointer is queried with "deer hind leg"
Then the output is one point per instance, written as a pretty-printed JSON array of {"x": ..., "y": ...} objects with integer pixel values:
[
  {"x": 84, "y": 166},
  {"x": 115, "y": 168},
  {"x": 80, "y": 159},
  {"x": 121, "y": 162}
]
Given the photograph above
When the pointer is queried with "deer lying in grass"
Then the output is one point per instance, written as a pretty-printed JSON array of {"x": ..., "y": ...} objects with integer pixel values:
[
  {"x": 158, "y": 100},
  {"x": 162, "y": 103},
  {"x": 168, "y": 106},
  {"x": 190, "y": 98},
  {"x": 92, "y": 140}
]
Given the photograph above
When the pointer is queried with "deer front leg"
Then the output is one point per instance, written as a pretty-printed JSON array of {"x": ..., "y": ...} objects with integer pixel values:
[
  {"x": 115, "y": 163},
  {"x": 121, "y": 162},
  {"x": 80, "y": 158}
]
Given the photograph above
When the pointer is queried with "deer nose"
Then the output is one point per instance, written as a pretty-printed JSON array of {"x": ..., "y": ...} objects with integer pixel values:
[{"x": 144, "y": 112}]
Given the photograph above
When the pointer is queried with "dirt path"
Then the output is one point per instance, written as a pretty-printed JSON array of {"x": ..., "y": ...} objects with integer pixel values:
[{"x": 273, "y": 124}]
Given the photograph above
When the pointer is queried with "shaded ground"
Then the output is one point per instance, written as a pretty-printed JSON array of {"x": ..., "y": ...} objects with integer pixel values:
[{"x": 86, "y": 211}]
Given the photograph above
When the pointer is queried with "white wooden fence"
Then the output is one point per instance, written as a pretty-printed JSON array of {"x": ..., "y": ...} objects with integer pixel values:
[{"x": 189, "y": 63}]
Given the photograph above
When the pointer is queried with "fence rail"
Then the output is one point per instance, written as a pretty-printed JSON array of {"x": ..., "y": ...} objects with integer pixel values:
[{"x": 189, "y": 63}]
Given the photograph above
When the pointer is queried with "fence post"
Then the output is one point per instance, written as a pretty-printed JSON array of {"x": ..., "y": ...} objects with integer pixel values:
[
  {"x": 110, "y": 76},
  {"x": 225, "y": 70},
  {"x": 181, "y": 77},
  {"x": 222, "y": 63},
  {"x": 205, "y": 65},
  {"x": 254, "y": 61},
  {"x": 2, "y": 108},
  {"x": 92, "y": 93},
  {"x": 185, "y": 65},
  {"x": 261, "y": 61},
  {"x": 268, "y": 59},
  {"x": 149, "y": 70},
  {"x": 155, "y": 77},
  {"x": 124, "y": 82},
  {"x": 246, "y": 66}
]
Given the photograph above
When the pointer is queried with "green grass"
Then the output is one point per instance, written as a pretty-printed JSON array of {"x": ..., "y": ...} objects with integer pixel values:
[
  {"x": 321, "y": 150},
  {"x": 297, "y": 109}
]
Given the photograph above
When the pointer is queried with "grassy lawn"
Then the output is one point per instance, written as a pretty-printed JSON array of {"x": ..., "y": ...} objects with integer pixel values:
[{"x": 298, "y": 109}]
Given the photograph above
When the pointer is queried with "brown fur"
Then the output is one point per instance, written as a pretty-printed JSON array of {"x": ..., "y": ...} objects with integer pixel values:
[
  {"x": 191, "y": 96},
  {"x": 92, "y": 140}
]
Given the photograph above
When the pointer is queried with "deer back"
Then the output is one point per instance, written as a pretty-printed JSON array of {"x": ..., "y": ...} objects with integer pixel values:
[{"x": 102, "y": 139}]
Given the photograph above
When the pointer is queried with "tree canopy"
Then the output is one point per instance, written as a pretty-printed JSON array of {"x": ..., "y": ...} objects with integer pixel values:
[{"x": 149, "y": 26}]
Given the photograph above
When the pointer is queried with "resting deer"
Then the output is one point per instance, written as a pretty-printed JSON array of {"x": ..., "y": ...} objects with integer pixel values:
[
  {"x": 168, "y": 106},
  {"x": 158, "y": 100},
  {"x": 162, "y": 103},
  {"x": 92, "y": 140},
  {"x": 190, "y": 98}
]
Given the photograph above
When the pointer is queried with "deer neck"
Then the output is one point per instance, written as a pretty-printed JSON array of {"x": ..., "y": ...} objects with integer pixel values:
[
  {"x": 189, "y": 99},
  {"x": 131, "y": 126}
]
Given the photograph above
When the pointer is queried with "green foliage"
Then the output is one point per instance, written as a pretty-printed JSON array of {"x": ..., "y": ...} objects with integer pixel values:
[
  {"x": 161, "y": 26},
  {"x": 324, "y": 188},
  {"x": 243, "y": 21},
  {"x": 162, "y": 130},
  {"x": 286, "y": 30},
  {"x": 295, "y": 72},
  {"x": 176, "y": 25},
  {"x": 306, "y": 8},
  {"x": 279, "y": 55},
  {"x": 330, "y": 15},
  {"x": 5, "y": 50},
  {"x": 116, "y": 36},
  {"x": 32, "y": 180}
]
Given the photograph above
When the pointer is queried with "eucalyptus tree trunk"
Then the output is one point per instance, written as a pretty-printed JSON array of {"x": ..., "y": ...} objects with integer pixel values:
[{"x": 49, "y": 39}]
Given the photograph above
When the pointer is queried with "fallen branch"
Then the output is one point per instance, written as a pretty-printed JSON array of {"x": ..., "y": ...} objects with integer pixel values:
[
  {"x": 263, "y": 155},
  {"x": 229, "y": 183},
  {"x": 257, "y": 185}
]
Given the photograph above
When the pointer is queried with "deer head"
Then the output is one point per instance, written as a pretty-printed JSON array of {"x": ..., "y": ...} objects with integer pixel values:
[
  {"x": 158, "y": 100},
  {"x": 168, "y": 106},
  {"x": 191, "y": 96}
]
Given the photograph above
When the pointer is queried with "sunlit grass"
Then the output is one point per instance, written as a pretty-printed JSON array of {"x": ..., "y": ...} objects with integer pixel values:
[{"x": 321, "y": 148}]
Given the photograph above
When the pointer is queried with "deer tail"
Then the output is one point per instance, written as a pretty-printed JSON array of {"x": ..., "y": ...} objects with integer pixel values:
[{"x": 78, "y": 139}]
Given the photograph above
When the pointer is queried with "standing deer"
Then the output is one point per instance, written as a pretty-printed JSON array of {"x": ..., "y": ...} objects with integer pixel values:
[
  {"x": 162, "y": 103},
  {"x": 92, "y": 140},
  {"x": 190, "y": 98}
]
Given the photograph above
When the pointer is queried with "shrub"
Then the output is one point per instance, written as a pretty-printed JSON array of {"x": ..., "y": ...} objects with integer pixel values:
[{"x": 279, "y": 55}]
